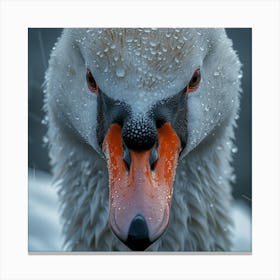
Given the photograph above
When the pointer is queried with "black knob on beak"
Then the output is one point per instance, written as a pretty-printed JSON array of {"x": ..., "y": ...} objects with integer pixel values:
[
  {"x": 140, "y": 133},
  {"x": 138, "y": 234}
]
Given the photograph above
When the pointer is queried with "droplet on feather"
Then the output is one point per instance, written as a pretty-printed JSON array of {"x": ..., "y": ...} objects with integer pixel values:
[
  {"x": 120, "y": 72},
  {"x": 45, "y": 140},
  {"x": 154, "y": 43}
]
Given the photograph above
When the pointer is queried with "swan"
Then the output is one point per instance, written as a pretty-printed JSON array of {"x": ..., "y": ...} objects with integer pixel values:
[{"x": 140, "y": 133}]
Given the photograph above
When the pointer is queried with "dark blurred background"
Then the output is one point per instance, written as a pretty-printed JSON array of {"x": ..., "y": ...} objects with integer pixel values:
[{"x": 40, "y": 43}]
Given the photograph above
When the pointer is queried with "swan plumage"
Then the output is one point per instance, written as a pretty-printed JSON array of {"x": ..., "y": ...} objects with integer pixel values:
[{"x": 142, "y": 68}]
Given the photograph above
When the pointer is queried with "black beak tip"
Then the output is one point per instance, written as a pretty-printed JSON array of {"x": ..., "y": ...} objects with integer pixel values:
[{"x": 138, "y": 234}]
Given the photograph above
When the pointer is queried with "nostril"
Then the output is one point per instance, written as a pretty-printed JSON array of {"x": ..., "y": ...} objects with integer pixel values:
[
  {"x": 126, "y": 157},
  {"x": 138, "y": 234},
  {"x": 153, "y": 158}
]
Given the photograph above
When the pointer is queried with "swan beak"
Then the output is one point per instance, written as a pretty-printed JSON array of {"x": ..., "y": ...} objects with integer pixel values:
[{"x": 141, "y": 188}]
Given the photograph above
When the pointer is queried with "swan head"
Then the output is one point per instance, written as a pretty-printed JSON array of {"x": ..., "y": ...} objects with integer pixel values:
[{"x": 143, "y": 99}]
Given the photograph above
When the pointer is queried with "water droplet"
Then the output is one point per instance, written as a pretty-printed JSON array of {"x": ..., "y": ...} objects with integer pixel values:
[
  {"x": 239, "y": 76},
  {"x": 234, "y": 150},
  {"x": 202, "y": 49},
  {"x": 233, "y": 178},
  {"x": 45, "y": 120},
  {"x": 120, "y": 72},
  {"x": 45, "y": 140},
  {"x": 216, "y": 73},
  {"x": 153, "y": 43}
]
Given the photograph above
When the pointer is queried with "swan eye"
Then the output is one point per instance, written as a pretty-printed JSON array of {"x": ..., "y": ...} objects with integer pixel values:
[
  {"x": 194, "y": 82},
  {"x": 92, "y": 85}
]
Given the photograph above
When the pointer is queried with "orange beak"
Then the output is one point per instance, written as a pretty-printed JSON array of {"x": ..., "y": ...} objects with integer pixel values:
[{"x": 140, "y": 196}]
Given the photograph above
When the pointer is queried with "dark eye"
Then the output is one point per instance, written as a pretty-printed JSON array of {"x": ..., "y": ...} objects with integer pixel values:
[
  {"x": 92, "y": 85},
  {"x": 194, "y": 82}
]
